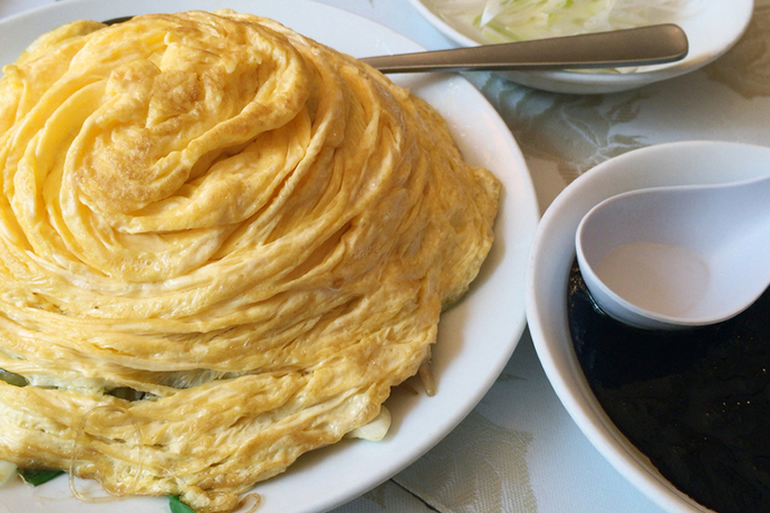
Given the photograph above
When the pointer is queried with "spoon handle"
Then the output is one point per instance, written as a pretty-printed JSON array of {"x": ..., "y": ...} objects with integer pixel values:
[{"x": 653, "y": 44}]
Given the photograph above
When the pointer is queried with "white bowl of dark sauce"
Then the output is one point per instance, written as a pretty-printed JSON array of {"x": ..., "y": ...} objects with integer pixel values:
[{"x": 684, "y": 416}]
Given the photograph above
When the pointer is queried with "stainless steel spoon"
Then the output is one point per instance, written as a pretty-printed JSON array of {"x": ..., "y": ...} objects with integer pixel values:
[{"x": 653, "y": 44}]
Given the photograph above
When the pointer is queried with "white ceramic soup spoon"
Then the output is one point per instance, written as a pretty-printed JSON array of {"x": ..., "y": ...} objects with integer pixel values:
[{"x": 678, "y": 257}]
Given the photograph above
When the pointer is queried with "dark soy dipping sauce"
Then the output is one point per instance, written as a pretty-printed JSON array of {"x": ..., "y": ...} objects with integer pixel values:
[{"x": 696, "y": 402}]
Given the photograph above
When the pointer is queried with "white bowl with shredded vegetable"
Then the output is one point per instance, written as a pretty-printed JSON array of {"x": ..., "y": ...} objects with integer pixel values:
[{"x": 712, "y": 28}]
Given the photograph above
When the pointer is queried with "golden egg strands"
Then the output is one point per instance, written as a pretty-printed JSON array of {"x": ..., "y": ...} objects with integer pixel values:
[{"x": 250, "y": 232}]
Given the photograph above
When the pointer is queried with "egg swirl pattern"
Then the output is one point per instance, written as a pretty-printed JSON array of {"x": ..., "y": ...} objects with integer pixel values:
[{"x": 221, "y": 245}]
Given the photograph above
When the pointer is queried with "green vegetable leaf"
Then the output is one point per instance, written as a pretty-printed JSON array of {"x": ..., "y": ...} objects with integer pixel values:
[
  {"x": 13, "y": 379},
  {"x": 36, "y": 477},
  {"x": 178, "y": 506}
]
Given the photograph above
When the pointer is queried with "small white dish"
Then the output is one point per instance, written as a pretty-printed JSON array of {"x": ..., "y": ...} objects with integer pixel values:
[
  {"x": 712, "y": 28},
  {"x": 553, "y": 253},
  {"x": 476, "y": 336}
]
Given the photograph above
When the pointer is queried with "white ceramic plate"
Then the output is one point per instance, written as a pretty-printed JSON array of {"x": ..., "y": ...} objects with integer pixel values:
[
  {"x": 476, "y": 338},
  {"x": 553, "y": 253},
  {"x": 712, "y": 28}
]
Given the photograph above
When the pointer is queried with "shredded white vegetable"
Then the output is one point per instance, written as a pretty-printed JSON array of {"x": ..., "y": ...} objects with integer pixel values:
[
  {"x": 7, "y": 471},
  {"x": 376, "y": 429},
  {"x": 498, "y": 21}
]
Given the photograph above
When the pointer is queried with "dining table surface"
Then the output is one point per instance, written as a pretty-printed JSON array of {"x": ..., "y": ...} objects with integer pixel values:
[{"x": 519, "y": 451}]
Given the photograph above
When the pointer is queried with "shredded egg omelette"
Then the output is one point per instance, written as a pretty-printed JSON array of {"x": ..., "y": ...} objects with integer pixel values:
[{"x": 221, "y": 245}]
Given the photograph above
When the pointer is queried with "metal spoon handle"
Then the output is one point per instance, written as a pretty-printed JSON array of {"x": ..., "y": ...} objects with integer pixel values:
[{"x": 653, "y": 44}]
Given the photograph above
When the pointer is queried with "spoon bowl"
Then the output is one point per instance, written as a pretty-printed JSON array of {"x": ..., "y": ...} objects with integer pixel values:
[{"x": 677, "y": 257}]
